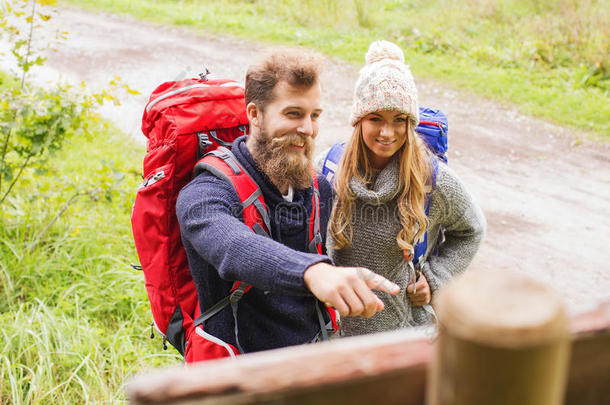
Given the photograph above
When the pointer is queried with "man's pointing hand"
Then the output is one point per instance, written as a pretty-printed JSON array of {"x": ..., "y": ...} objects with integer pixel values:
[{"x": 348, "y": 289}]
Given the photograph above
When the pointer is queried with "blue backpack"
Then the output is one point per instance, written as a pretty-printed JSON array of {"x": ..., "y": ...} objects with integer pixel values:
[{"x": 432, "y": 128}]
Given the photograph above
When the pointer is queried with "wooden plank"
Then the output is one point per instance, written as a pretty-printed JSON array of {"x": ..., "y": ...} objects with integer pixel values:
[
  {"x": 391, "y": 366},
  {"x": 589, "y": 375},
  {"x": 357, "y": 370}
]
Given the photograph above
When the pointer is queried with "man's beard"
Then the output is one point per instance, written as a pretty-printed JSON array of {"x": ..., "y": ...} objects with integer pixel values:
[{"x": 283, "y": 166}]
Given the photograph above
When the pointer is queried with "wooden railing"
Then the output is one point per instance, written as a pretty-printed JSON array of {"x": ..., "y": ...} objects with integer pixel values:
[{"x": 388, "y": 368}]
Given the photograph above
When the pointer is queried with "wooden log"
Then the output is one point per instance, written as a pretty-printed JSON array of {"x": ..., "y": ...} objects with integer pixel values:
[
  {"x": 503, "y": 340},
  {"x": 360, "y": 370}
]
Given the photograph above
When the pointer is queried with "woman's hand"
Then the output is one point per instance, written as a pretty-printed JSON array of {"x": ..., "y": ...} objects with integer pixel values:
[{"x": 422, "y": 294}]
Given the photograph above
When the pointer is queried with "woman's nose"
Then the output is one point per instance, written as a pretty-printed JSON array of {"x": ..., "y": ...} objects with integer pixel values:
[{"x": 386, "y": 129}]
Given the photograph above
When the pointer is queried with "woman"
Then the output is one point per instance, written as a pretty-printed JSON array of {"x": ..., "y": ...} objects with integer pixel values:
[{"x": 382, "y": 185}]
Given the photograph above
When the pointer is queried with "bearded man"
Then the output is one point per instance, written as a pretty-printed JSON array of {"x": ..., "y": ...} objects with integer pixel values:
[{"x": 291, "y": 283}]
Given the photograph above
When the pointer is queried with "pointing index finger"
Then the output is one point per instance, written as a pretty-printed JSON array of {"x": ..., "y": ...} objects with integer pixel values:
[{"x": 376, "y": 282}]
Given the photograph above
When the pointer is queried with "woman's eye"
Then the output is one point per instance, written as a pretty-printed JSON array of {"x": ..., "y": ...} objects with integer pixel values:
[{"x": 401, "y": 119}]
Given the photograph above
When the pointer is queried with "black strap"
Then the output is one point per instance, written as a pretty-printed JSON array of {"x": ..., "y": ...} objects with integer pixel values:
[
  {"x": 234, "y": 310},
  {"x": 232, "y": 298},
  {"x": 313, "y": 245},
  {"x": 218, "y": 140},
  {"x": 322, "y": 323},
  {"x": 316, "y": 238},
  {"x": 204, "y": 143}
]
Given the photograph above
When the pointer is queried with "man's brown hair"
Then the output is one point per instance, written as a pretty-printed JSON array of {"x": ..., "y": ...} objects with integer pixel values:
[{"x": 297, "y": 67}]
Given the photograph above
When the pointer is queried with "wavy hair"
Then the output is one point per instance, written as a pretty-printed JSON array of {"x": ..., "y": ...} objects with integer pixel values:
[
  {"x": 296, "y": 66},
  {"x": 413, "y": 178}
]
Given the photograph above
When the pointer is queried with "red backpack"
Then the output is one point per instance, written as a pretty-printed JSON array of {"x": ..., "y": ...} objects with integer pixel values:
[{"x": 184, "y": 121}]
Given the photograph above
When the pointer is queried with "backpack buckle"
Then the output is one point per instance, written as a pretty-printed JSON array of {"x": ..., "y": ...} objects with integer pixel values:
[
  {"x": 204, "y": 143},
  {"x": 415, "y": 276},
  {"x": 204, "y": 76},
  {"x": 236, "y": 295}
]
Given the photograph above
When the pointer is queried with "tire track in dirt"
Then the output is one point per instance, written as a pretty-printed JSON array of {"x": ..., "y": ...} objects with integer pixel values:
[{"x": 546, "y": 200}]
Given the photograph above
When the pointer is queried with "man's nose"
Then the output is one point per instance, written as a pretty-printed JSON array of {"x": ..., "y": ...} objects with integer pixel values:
[{"x": 306, "y": 127}]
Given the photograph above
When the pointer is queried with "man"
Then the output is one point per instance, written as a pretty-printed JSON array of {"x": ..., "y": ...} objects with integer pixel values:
[{"x": 283, "y": 105}]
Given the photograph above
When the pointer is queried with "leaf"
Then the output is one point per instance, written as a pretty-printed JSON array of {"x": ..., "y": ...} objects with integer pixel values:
[
  {"x": 40, "y": 60},
  {"x": 131, "y": 91},
  {"x": 19, "y": 44}
]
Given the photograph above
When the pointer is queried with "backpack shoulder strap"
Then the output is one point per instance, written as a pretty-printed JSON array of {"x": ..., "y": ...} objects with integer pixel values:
[
  {"x": 315, "y": 238},
  {"x": 421, "y": 247},
  {"x": 315, "y": 246},
  {"x": 222, "y": 163}
]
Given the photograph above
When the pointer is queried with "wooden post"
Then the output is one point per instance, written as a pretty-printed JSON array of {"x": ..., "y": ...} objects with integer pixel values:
[{"x": 503, "y": 340}]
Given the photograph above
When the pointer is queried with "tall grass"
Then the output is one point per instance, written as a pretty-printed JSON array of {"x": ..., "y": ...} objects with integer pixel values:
[
  {"x": 549, "y": 57},
  {"x": 75, "y": 316}
]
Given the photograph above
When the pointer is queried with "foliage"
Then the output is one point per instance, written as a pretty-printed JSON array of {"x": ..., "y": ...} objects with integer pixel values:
[
  {"x": 35, "y": 123},
  {"x": 550, "y": 57},
  {"x": 75, "y": 315}
]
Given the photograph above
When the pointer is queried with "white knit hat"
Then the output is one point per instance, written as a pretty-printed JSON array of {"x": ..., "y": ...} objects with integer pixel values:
[{"x": 385, "y": 83}]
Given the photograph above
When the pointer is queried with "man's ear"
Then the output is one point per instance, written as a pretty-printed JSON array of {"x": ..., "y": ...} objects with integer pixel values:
[{"x": 253, "y": 113}]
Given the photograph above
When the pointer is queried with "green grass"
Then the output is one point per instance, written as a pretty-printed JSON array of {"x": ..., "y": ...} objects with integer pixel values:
[
  {"x": 75, "y": 316},
  {"x": 548, "y": 57}
]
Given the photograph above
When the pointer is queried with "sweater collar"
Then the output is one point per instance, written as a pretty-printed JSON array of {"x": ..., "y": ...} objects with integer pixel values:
[{"x": 384, "y": 188}]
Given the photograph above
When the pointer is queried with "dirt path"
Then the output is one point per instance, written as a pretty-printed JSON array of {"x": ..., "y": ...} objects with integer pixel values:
[{"x": 546, "y": 201}]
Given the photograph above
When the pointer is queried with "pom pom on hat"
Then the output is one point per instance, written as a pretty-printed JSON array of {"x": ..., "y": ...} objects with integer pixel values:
[
  {"x": 385, "y": 83},
  {"x": 380, "y": 50}
]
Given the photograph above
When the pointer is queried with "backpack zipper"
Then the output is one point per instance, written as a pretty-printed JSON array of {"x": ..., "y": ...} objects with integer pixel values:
[
  {"x": 173, "y": 92},
  {"x": 152, "y": 179},
  {"x": 434, "y": 124},
  {"x": 440, "y": 125}
]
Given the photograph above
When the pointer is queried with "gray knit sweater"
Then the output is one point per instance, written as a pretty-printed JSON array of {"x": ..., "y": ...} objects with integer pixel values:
[{"x": 376, "y": 223}]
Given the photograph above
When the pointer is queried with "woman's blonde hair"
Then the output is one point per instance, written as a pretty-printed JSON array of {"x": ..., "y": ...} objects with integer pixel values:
[{"x": 413, "y": 176}]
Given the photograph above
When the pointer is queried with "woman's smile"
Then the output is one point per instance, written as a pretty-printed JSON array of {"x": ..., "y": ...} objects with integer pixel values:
[{"x": 386, "y": 142}]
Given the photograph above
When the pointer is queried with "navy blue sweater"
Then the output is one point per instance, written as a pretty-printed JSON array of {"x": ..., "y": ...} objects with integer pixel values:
[{"x": 279, "y": 311}]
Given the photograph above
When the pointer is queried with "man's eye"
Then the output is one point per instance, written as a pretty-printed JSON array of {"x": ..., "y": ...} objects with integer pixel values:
[
  {"x": 294, "y": 114},
  {"x": 401, "y": 119},
  {"x": 375, "y": 119},
  {"x": 315, "y": 116}
]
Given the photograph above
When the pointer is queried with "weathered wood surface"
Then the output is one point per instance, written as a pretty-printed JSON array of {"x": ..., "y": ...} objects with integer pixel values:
[
  {"x": 589, "y": 374},
  {"x": 389, "y": 368},
  {"x": 503, "y": 341}
]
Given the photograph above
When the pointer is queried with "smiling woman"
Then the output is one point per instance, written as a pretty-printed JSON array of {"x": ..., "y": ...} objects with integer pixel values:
[{"x": 434, "y": 227}]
